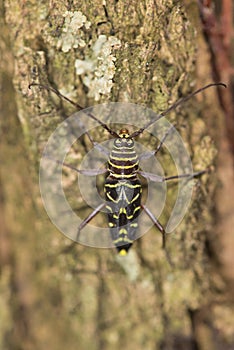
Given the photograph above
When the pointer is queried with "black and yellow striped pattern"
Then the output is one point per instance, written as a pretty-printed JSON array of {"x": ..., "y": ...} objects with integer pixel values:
[{"x": 123, "y": 192}]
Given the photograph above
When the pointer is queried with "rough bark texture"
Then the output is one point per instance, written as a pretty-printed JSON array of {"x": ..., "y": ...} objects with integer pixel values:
[{"x": 55, "y": 294}]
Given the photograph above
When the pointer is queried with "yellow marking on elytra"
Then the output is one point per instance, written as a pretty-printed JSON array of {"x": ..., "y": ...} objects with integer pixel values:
[
  {"x": 113, "y": 185},
  {"x": 109, "y": 208},
  {"x": 131, "y": 216},
  {"x": 123, "y": 231},
  {"x": 122, "y": 239},
  {"x": 123, "y": 252},
  {"x": 122, "y": 211},
  {"x": 111, "y": 199},
  {"x": 132, "y": 186},
  {"x": 121, "y": 196},
  {"x": 111, "y": 224},
  {"x": 119, "y": 184},
  {"x": 134, "y": 224},
  {"x": 136, "y": 209},
  {"x": 136, "y": 196}
]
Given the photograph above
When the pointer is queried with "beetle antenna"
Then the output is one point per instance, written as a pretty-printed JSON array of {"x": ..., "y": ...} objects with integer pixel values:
[
  {"x": 58, "y": 93},
  {"x": 174, "y": 106}
]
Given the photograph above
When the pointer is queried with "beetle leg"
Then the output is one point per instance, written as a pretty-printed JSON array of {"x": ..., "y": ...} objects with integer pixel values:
[
  {"x": 156, "y": 223},
  {"x": 148, "y": 154},
  {"x": 158, "y": 178},
  {"x": 88, "y": 172},
  {"x": 89, "y": 218}
]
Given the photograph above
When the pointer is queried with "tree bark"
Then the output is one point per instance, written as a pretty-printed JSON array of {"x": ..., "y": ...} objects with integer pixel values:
[{"x": 59, "y": 294}]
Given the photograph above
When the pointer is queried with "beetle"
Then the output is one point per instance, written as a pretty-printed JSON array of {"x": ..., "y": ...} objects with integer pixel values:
[{"x": 123, "y": 188}]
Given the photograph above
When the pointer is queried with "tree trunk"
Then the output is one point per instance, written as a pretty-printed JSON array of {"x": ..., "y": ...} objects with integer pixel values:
[{"x": 59, "y": 294}]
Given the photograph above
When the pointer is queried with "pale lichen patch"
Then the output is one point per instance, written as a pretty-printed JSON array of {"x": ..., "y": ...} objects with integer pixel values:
[
  {"x": 99, "y": 68},
  {"x": 72, "y": 35}
]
